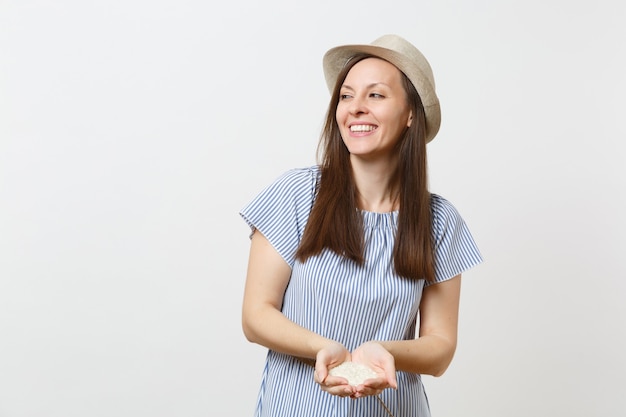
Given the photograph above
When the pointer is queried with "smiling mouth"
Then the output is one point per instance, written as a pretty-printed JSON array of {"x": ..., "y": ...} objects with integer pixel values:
[{"x": 362, "y": 128}]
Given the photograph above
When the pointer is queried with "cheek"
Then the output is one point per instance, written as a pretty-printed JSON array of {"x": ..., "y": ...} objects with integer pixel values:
[
  {"x": 340, "y": 115},
  {"x": 402, "y": 119}
]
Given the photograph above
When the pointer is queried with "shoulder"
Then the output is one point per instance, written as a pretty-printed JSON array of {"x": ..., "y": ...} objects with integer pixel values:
[
  {"x": 296, "y": 185},
  {"x": 442, "y": 209},
  {"x": 446, "y": 219},
  {"x": 300, "y": 175},
  {"x": 296, "y": 181},
  {"x": 455, "y": 249}
]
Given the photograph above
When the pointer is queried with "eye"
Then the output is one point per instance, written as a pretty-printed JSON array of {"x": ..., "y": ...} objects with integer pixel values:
[
  {"x": 376, "y": 95},
  {"x": 344, "y": 96}
]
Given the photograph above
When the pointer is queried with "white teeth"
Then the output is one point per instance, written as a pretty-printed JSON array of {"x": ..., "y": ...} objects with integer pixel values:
[{"x": 362, "y": 128}]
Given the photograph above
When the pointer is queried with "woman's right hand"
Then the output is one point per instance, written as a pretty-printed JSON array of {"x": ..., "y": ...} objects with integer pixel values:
[{"x": 330, "y": 356}]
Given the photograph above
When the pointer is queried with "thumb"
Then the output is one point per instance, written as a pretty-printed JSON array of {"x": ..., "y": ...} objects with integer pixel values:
[
  {"x": 390, "y": 373},
  {"x": 393, "y": 382},
  {"x": 320, "y": 373},
  {"x": 391, "y": 376}
]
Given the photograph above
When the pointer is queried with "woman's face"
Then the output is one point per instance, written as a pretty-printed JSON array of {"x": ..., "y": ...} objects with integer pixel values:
[{"x": 372, "y": 112}]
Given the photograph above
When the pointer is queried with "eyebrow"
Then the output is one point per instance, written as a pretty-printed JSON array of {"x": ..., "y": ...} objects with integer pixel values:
[{"x": 372, "y": 85}]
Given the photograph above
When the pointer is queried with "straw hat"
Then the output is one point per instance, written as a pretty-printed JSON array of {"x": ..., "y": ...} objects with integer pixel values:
[{"x": 406, "y": 57}]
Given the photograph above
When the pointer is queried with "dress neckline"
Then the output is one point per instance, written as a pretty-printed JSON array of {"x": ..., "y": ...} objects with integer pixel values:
[{"x": 376, "y": 219}]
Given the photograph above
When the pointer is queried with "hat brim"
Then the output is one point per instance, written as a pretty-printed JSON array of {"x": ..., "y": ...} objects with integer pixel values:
[{"x": 336, "y": 58}]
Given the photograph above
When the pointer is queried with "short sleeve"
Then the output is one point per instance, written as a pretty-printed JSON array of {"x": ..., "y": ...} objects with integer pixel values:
[
  {"x": 455, "y": 248},
  {"x": 281, "y": 210}
]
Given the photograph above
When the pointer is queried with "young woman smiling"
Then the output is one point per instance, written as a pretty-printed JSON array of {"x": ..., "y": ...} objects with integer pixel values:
[{"x": 345, "y": 254}]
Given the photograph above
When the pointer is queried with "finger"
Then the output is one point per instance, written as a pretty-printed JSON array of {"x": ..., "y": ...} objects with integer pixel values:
[
  {"x": 321, "y": 373},
  {"x": 320, "y": 377},
  {"x": 340, "y": 391},
  {"x": 366, "y": 392},
  {"x": 390, "y": 374}
]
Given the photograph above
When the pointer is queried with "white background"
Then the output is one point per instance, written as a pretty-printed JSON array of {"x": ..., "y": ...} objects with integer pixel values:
[{"x": 132, "y": 132}]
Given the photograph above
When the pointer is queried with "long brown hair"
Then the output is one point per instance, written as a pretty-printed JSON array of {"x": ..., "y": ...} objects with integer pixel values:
[{"x": 334, "y": 222}]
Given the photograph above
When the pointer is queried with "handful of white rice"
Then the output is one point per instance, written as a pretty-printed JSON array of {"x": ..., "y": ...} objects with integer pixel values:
[{"x": 354, "y": 372}]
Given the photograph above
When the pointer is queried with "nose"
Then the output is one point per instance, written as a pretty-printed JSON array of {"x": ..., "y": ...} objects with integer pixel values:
[{"x": 357, "y": 105}]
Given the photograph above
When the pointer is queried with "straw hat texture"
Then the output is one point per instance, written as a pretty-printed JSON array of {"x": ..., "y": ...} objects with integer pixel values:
[{"x": 406, "y": 57}]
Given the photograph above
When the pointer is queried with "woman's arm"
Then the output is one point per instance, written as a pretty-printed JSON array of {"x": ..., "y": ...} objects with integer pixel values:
[
  {"x": 262, "y": 319},
  {"x": 432, "y": 352}
]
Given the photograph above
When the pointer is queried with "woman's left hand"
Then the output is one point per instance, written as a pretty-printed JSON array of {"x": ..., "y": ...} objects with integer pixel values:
[{"x": 377, "y": 358}]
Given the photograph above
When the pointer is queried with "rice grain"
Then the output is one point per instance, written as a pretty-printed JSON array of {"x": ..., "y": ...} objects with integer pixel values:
[{"x": 354, "y": 372}]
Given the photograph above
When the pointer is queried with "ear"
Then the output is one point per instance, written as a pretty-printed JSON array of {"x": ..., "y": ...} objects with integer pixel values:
[{"x": 410, "y": 120}]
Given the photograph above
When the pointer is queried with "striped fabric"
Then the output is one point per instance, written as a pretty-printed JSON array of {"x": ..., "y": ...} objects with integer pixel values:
[{"x": 351, "y": 304}]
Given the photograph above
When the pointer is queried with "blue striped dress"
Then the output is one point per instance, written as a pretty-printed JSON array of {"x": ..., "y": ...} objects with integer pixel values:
[{"x": 351, "y": 304}]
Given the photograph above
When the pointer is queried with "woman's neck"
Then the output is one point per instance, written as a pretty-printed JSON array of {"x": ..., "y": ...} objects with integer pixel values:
[{"x": 375, "y": 191}]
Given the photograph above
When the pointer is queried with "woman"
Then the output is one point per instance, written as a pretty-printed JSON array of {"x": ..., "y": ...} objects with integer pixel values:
[{"x": 344, "y": 255}]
